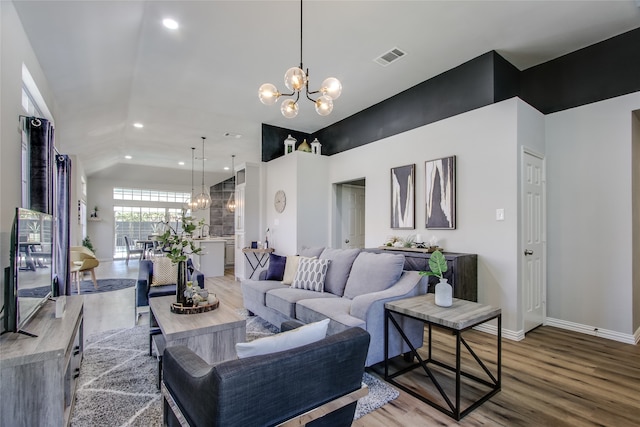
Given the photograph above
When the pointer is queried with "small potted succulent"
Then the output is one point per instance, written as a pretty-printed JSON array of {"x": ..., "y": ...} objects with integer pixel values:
[{"x": 438, "y": 266}]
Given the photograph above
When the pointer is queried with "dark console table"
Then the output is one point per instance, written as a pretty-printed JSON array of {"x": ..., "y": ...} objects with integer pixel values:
[{"x": 462, "y": 269}]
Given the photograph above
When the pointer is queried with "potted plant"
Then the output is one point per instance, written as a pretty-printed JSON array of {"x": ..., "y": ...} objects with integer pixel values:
[
  {"x": 178, "y": 247},
  {"x": 438, "y": 266}
]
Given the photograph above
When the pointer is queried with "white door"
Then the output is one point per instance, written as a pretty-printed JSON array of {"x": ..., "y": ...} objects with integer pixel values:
[
  {"x": 352, "y": 217},
  {"x": 533, "y": 239}
]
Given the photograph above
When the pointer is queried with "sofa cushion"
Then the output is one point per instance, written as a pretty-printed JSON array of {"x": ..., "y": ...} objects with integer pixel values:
[
  {"x": 311, "y": 274},
  {"x": 276, "y": 267},
  {"x": 284, "y": 299},
  {"x": 256, "y": 290},
  {"x": 339, "y": 269},
  {"x": 298, "y": 337},
  {"x": 312, "y": 310},
  {"x": 310, "y": 252},
  {"x": 373, "y": 272},
  {"x": 165, "y": 272},
  {"x": 162, "y": 290}
]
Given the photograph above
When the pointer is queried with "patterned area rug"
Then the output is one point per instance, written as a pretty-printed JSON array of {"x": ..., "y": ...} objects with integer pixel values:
[
  {"x": 86, "y": 287},
  {"x": 117, "y": 383}
]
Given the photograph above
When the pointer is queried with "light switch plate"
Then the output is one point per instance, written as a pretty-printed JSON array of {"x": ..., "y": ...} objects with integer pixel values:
[{"x": 500, "y": 214}]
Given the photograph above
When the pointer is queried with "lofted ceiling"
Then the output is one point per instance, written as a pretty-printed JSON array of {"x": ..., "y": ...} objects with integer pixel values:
[{"x": 110, "y": 64}]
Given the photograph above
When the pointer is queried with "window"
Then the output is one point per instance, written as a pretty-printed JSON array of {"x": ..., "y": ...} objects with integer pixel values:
[
  {"x": 150, "y": 195},
  {"x": 139, "y": 223}
]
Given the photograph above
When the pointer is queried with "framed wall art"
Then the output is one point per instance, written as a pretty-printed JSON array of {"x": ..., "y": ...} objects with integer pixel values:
[
  {"x": 440, "y": 193},
  {"x": 403, "y": 205}
]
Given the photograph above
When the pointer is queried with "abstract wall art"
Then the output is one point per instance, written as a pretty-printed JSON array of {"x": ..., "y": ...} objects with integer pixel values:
[
  {"x": 403, "y": 197},
  {"x": 440, "y": 193}
]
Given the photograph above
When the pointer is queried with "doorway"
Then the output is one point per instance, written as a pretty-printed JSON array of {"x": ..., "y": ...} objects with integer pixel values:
[
  {"x": 348, "y": 227},
  {"x": 533, "y": 251}
]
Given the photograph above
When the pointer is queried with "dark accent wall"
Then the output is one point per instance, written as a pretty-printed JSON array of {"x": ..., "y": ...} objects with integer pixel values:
[
  {"x": 601, "y": 71},
  {"x": 605, "y": 70},
  {"x": 273, "y": 140}
]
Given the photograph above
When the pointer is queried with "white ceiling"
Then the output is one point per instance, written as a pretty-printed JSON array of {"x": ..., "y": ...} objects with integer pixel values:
[{"x": 112, "y": 63}]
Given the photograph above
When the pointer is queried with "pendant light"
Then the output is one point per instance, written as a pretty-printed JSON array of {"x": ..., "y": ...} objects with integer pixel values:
[
  {"x": 296, "y": 79},
  {"x": 191, "y": 204},
  {"x": 231, "y": 203},
  {"x": 204, "y": 198}
]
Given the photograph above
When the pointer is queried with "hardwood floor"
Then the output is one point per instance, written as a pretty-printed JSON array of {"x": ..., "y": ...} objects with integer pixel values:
[{"x": 551, "y": 378}]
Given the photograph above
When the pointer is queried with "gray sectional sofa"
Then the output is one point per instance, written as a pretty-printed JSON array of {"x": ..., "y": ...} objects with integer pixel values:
[{"x": 356, "y": 287}]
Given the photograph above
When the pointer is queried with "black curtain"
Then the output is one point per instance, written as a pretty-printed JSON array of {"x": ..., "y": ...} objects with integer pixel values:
[
  {"x": 62, "y": 285},
  {"x": 41, "y": 151}
]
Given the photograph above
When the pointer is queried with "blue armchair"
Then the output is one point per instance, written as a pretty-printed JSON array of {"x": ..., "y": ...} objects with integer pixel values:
[{"x": 144, "y": 290}]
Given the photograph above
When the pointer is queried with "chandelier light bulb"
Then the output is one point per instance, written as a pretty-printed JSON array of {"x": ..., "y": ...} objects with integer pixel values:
[
  {"x": 295, "y": 79},
  {"x": 324, "y": 105},
  {"x": 289, "y": 108},
  {"x": 331, "y": 87},
  {"x": 268, "y": 94}
]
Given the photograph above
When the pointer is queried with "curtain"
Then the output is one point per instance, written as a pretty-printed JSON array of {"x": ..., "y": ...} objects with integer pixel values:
[
  {"x": 40, "y": 135},
  {"x": 62, "y": 285}
]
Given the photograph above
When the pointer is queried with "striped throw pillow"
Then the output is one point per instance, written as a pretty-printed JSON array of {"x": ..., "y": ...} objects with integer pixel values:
[{"x": 311, "y": 274}]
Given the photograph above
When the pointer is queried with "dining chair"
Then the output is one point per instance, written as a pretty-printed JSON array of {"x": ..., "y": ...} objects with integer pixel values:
[{"x": 132, "y": 250}]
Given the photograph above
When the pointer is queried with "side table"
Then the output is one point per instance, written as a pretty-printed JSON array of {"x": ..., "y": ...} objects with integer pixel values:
[
  {"x": 461, "y": 316},
  {"x": 259, "y": 259}
]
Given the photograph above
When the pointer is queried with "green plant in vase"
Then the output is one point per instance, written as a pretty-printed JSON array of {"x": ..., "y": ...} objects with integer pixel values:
[
  {"x": 179, "y": 247},
  {"x": 437, "y": 267}
]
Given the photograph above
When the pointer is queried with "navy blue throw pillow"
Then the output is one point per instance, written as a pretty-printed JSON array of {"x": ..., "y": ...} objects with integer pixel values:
[{"x": 276, "y": 267}]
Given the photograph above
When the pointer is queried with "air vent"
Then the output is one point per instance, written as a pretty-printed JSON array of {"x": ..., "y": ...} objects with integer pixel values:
[{"x": 390, "y": 56}]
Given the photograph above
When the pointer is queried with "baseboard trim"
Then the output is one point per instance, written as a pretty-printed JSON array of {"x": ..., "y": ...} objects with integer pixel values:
[
  {"x": 506, "y": 333},
  {"x": 592, "y": 330}
]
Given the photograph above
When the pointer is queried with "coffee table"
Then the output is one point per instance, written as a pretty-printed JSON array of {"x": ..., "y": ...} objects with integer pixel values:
[{"x": 212, "y": 335}]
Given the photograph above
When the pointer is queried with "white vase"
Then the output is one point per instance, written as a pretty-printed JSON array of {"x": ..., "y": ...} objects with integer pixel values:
[{"x": 444, "y": 294}]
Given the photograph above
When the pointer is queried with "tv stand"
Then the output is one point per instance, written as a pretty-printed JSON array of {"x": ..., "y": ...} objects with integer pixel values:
[{"x": 38, "y": 375}]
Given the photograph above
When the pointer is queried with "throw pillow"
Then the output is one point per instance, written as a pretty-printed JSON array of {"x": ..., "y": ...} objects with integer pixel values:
[
  {"x": 291, "y": 268},
  {"x": 310, "y": 252},
  {"x": 165, "y": 272},
  {"x": 373, "y": 272},
  {"x": 311, "y": 274},
  {"x": 298, "y": 337},
  {"x": 339, "y": 269},
  {"x": 276, "y": 267}
]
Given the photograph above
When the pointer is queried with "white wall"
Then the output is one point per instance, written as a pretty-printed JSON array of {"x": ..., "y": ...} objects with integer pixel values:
[
  {"x": 485, "y": 143},
  {"x": 635, "y": 188},
  {"x": 590, "y": 248},
  {"x": 15, "y": 50},
  {"x": 305, "y": 220}
]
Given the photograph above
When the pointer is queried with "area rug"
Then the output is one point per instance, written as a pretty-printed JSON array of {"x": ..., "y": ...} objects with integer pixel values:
[
  {"x": 104, "y": 285},
  {"x": 117, "y": 382}
]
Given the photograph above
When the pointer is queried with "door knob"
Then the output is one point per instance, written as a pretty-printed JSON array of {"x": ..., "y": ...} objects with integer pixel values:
[
  {"x": 346, "y": 240},
  {"x": 528, "y": 252}
]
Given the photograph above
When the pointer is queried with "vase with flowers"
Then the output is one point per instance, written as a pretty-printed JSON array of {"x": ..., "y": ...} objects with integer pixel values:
[{"x": 179, "y": 246}]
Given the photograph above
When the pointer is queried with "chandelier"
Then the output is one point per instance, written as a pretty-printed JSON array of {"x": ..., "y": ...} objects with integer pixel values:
[
  {"x": 231, "y": 203},
  {"x": 203, "y": 200},
  {"x": 191, "y": 204},
  {"x": 295, "y": 79}
]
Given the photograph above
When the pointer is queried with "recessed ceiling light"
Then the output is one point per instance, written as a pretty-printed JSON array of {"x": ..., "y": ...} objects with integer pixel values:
[
  {"x": 128, "y": 157},
  {"x": 170, "y": 23},
  {"x": 138, "y": 125},
  {"x": 227, "y": 168},
  {"x": 181, "y": 163}
]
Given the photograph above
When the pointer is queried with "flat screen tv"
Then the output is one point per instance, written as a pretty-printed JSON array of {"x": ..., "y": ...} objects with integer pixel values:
[{"x": 29, "y": 281}]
